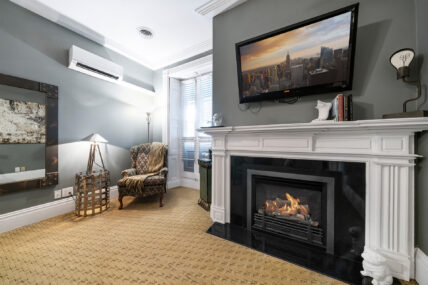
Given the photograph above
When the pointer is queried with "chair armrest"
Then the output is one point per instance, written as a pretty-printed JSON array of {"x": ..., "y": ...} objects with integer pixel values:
[
  {"x": 129, "y": 172},
  {"x": 164, "y": 171}
]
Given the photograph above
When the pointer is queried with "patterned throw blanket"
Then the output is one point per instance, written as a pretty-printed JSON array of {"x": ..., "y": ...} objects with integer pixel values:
[{"x": 155, "y": 164}]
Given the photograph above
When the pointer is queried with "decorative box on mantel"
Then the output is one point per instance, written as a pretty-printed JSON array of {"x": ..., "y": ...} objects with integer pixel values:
[{"x": 384, "y": 147}]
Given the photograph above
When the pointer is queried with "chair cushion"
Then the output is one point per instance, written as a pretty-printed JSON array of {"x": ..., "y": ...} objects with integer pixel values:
[
  {"x": 145, "y": 148},
  {"x": 154, "y": 180},
  {"x": 142, "y": 163}
]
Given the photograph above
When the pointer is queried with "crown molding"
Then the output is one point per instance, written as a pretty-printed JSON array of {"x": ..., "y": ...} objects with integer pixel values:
[
  {"x": 79, "y": 28},
  {"x": 187, "y": 53},
  {"x": 213, "y": 8},
  {"x": 191, "y": 69}
]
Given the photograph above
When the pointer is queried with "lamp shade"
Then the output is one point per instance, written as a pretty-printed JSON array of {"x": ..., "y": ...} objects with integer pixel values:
[
  {"x": 401, "y": 60},
  {"x": 96, "y": 138}
]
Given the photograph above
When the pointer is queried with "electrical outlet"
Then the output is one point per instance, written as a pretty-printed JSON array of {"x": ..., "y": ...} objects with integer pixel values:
[
  {"x": 67, "y": 192},
  {"x": 57, "y": 194},
  {"x": 17, "y": 169}
]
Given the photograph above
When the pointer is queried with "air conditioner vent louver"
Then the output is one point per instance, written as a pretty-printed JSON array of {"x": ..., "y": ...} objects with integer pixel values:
[{"x": 96, "y": 70}]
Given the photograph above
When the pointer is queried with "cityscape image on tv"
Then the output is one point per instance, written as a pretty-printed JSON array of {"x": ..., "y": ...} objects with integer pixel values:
[{"x": 312, "y": 55}]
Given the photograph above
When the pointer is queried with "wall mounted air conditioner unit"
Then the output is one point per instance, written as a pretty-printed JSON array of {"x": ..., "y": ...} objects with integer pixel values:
[
  {"x": 94, "y": 65},
  {"x": 97, "y": 66}
]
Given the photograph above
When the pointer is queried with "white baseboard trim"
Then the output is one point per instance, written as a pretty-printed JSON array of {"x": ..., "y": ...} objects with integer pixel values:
[
  {"x": 28, "y": 216},
  {"x": 421, "y": 267},
  {"x": 114, "y": 192},
  {"x": 189, "y": 183},
  {"x": 183, "y": 182},
  {"x": 173, "y": 183}
]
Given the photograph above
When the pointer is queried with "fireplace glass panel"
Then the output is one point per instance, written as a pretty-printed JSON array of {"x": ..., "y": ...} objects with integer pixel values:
[{"x": 289, "y": 199}]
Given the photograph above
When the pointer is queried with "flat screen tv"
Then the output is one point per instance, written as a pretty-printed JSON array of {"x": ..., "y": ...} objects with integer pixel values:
[{"x": 310, "y": 57}]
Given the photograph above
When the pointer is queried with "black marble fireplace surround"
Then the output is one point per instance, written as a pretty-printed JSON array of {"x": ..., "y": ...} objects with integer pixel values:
[{"x": 330, "y": 241}]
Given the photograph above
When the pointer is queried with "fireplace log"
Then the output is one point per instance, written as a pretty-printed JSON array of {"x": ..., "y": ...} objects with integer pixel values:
[
  {"x": 300, "y": 216},
  {"x": 282, "y": 202}
]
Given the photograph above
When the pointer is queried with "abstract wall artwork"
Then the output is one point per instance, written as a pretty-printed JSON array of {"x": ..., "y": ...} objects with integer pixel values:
[{"x": 22, "y": 122}]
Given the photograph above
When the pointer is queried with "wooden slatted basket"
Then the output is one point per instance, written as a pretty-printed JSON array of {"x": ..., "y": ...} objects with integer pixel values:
[{"x": 92, "y": 192}]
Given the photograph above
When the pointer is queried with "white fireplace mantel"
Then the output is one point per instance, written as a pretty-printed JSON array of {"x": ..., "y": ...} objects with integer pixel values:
[{"x": 385, "y": 146}]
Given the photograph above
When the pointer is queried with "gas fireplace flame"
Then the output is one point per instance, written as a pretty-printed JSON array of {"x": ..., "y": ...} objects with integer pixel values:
[{"x": 290, "y": 207}]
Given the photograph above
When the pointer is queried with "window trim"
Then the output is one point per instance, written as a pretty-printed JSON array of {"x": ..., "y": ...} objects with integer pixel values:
[
  {"x": 200, "y": 65},
  {"x": 197, "y": 138}
]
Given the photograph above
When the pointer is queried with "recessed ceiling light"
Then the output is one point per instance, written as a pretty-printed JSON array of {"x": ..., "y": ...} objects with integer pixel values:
[{"x": 145, "y": 32}]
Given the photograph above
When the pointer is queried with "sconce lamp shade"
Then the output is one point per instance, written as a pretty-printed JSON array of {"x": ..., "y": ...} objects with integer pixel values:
[
  {"x": 95, "y": 138},
  {"x": 401, "y": 60}
]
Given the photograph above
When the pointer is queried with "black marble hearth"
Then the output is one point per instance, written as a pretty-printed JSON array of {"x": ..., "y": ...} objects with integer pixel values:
[
  {"x": 311, "y": 258},
  {"x": 289, "y": 250}
]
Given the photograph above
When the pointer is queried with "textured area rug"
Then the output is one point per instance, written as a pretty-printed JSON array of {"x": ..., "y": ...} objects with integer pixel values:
[{"x": 141, "y": 244}]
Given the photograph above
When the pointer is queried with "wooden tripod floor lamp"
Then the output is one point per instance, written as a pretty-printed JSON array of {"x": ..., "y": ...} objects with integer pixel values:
[{"x": 96, "y": 139}]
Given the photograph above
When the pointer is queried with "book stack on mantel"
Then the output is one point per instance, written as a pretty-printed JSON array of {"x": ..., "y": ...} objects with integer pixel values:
[{"x": 342, "y": 109}]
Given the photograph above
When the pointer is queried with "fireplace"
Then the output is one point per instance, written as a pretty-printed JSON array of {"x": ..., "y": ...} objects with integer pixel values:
[
  {"x": 295, "y": 206},
  {"x": 372, "y": 163}
]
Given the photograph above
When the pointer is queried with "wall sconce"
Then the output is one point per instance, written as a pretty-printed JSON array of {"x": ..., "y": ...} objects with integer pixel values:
[
  {"x": 148, "y": 120},
  {"x": 401, "y": 61}
]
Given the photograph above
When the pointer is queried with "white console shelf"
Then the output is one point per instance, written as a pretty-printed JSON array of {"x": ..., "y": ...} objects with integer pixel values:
[{"x": 385, "y": 146}]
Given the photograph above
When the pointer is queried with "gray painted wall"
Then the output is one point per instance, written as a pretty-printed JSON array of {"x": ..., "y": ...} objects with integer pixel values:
[
  {"x": 422, "y": 177},
  {"x": 34, "y": 48},
  {"x": 157, "y": 112},
  {"x": 384, "y": 26}
]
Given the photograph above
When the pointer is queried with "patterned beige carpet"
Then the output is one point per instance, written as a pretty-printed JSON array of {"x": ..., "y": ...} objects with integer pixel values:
[{"x": 141, "y": 244}]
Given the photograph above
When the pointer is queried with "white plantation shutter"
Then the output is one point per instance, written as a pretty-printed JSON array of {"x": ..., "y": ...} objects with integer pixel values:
[
  {"x": 196, "y": 99},
  {"x": 204, "y": 85},
  {"x": 175, "y": 118},
  {"x": 188, "y": 101}
]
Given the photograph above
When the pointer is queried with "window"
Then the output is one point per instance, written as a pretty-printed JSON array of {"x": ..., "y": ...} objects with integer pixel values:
[{"x": 196, "y": 99}]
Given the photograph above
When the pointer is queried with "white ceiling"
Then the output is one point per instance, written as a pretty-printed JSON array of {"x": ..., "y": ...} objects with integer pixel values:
[{"x": 181, "y": 28}]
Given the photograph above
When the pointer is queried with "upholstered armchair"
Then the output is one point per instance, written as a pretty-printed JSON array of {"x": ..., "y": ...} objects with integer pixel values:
[{"x": 143, "y": 184}]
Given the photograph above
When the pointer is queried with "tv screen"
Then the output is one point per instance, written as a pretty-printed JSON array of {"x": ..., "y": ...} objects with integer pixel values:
[{"x": 314, "y": 56}]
